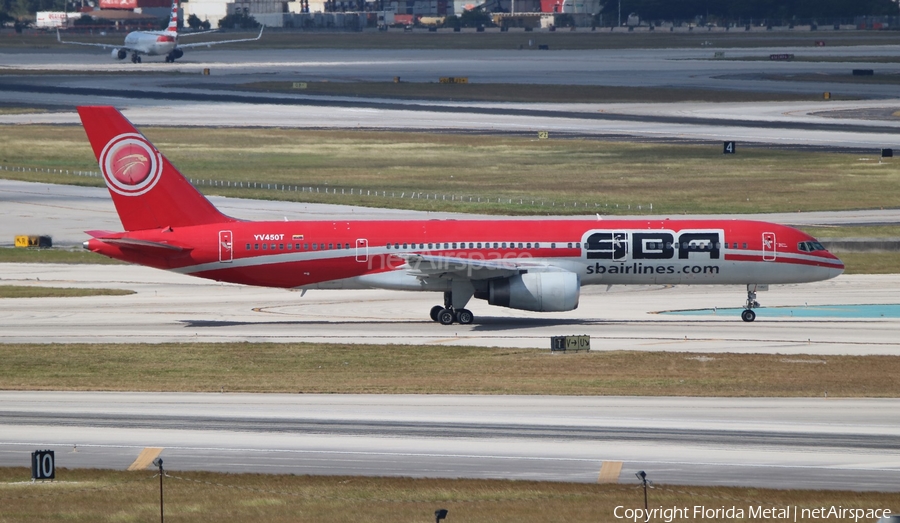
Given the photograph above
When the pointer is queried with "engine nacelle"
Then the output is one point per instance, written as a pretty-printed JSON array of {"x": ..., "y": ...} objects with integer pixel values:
[
  {"x": 177, "y": 53},
  {"x": 119, "y": 54},
  {"x": 537, "y": 291}
]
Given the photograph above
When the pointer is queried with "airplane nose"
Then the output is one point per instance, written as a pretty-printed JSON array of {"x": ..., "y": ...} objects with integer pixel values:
[{"x": 835, "y": 266}]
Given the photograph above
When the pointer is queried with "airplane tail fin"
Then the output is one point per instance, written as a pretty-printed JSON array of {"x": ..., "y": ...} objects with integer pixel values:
[
  {"x": 148, "y": 191},
  {"x": 173, "y": 20}
]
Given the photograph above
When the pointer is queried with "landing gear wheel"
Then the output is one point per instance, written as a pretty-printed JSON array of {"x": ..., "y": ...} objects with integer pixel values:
[
  {"x": 748, "y": 315},
  {"x": 464, "y": 316},
  {"x": 435, "y": 311},
  {"x": 446, "y": 317},
  {"x": 138, "y": 59}
]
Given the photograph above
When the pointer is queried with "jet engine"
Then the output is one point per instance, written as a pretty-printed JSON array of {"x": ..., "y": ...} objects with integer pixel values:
[
  {"x": 537, "y": 291},
  {"x": 119, "y": 54}
]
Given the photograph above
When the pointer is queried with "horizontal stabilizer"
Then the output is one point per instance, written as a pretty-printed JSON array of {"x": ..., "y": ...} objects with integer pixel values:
[{"x": 116, "y": 238}]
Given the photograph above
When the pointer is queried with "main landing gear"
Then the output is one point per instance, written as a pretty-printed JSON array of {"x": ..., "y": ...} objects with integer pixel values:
[
  {"x": 748, "y": 315},
  {"x": 135, "y": 58},
  {"x": 447, "y": 314}
]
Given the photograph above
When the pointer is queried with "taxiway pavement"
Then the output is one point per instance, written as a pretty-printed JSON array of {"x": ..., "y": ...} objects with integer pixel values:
[
  {"x": 771, "y": 442},
  {"x": 160, "y": 97}
]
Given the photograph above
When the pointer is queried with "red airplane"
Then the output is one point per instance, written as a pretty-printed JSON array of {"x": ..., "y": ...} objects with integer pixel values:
[{"x": 534, "y": 265}]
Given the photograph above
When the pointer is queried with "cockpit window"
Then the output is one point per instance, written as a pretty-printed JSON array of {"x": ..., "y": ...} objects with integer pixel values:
[{"x": 810, "y": 246}]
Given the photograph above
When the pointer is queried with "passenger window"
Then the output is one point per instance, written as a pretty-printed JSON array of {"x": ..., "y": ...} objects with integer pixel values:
[
  {"x": 471, "y": 245},
  {"x": 289, "y": 246},
  {"x": 528, "y": 245},
  {"x": 553, "y": 245},
  {"x": 265, "y": 246},
  {"x": 537, "y": 245},
  {"x": 281, "y": 246},
  {"x": 330, "y": 246},
  {"x": 496, "y": 245},
  {"x": 570, "y": 245},
  {"x": 744, "y": 246},
  {"x": 314, "y": 246},
  {"x": 454, "y": 245},
  {"x": 503, "y": 245},
  {"x": 339, "y": 246},
  {"x": 479, "y": 245},
  {"x": 405, "y": 246},
  {"x": 305, "y": 246},
  {"x": 255, "y": 246},
  {"x": 248, "y": 246}
]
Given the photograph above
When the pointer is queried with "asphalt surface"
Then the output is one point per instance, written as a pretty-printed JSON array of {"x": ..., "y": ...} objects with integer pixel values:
[
  {"x": 159, "y": 97},
  {"x": 795, "y": 443}
]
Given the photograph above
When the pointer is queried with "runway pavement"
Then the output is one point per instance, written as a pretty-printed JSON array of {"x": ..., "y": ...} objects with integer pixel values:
[
  {"x": 780, "y": 443},
  {"x": 159, "y": 97},
  {"x": 169, "y": 307}
]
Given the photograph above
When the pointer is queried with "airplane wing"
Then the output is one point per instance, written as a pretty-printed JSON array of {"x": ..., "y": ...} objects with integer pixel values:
[
  {"x": 182, "y": 35},
  {"x": 93, "y": 44},
  {"x": 426, "y": 265},
  {"x": 208, "y": 44}
]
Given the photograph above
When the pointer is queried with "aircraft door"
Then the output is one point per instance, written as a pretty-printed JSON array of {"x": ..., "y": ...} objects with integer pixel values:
[
  {"x": 362, "y": 250},
  {"x": 769, "y": 246},
  {"x": 225, "y": 247}
]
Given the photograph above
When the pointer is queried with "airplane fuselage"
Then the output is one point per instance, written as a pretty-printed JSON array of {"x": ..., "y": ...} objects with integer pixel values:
[
  {"x": 361, "y": 254},
  {"x": 151, "y": 43},
  {"x": 534, "y": 265}
]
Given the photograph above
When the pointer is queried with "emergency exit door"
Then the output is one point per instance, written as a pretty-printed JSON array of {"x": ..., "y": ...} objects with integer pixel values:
[
  {"x": 225, "y": 247},
  {"x": 769, "y": 246}
]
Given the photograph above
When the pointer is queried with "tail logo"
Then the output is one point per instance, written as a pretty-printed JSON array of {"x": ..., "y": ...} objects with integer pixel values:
[{"x": 130, "y": 165}]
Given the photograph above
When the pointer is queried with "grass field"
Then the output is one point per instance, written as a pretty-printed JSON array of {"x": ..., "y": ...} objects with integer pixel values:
[
  {"x": 91, "y": 496},
  {"x": 19, "y": 255},
  {"x": 556, "y": 174},
  {"x": 395, "y": 369},
  {"x": 24, "y": 291}
]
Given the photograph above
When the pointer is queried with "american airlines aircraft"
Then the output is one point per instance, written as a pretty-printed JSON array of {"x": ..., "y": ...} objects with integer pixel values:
[
  {"x": 534, "y": 265},
  {"x": 156, "y": 43}
]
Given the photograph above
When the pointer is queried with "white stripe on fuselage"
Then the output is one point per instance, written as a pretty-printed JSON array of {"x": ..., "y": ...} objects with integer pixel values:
[{"x": 696, "y": 270}]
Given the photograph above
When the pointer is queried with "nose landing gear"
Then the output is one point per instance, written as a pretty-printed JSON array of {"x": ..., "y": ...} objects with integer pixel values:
[{"x": 748, "y": 315}]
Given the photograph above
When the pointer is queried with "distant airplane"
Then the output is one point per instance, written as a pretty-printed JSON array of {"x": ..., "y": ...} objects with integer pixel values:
[
  {"x": 157, "y": 43},
  {"x": 534, "y": 265}
]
